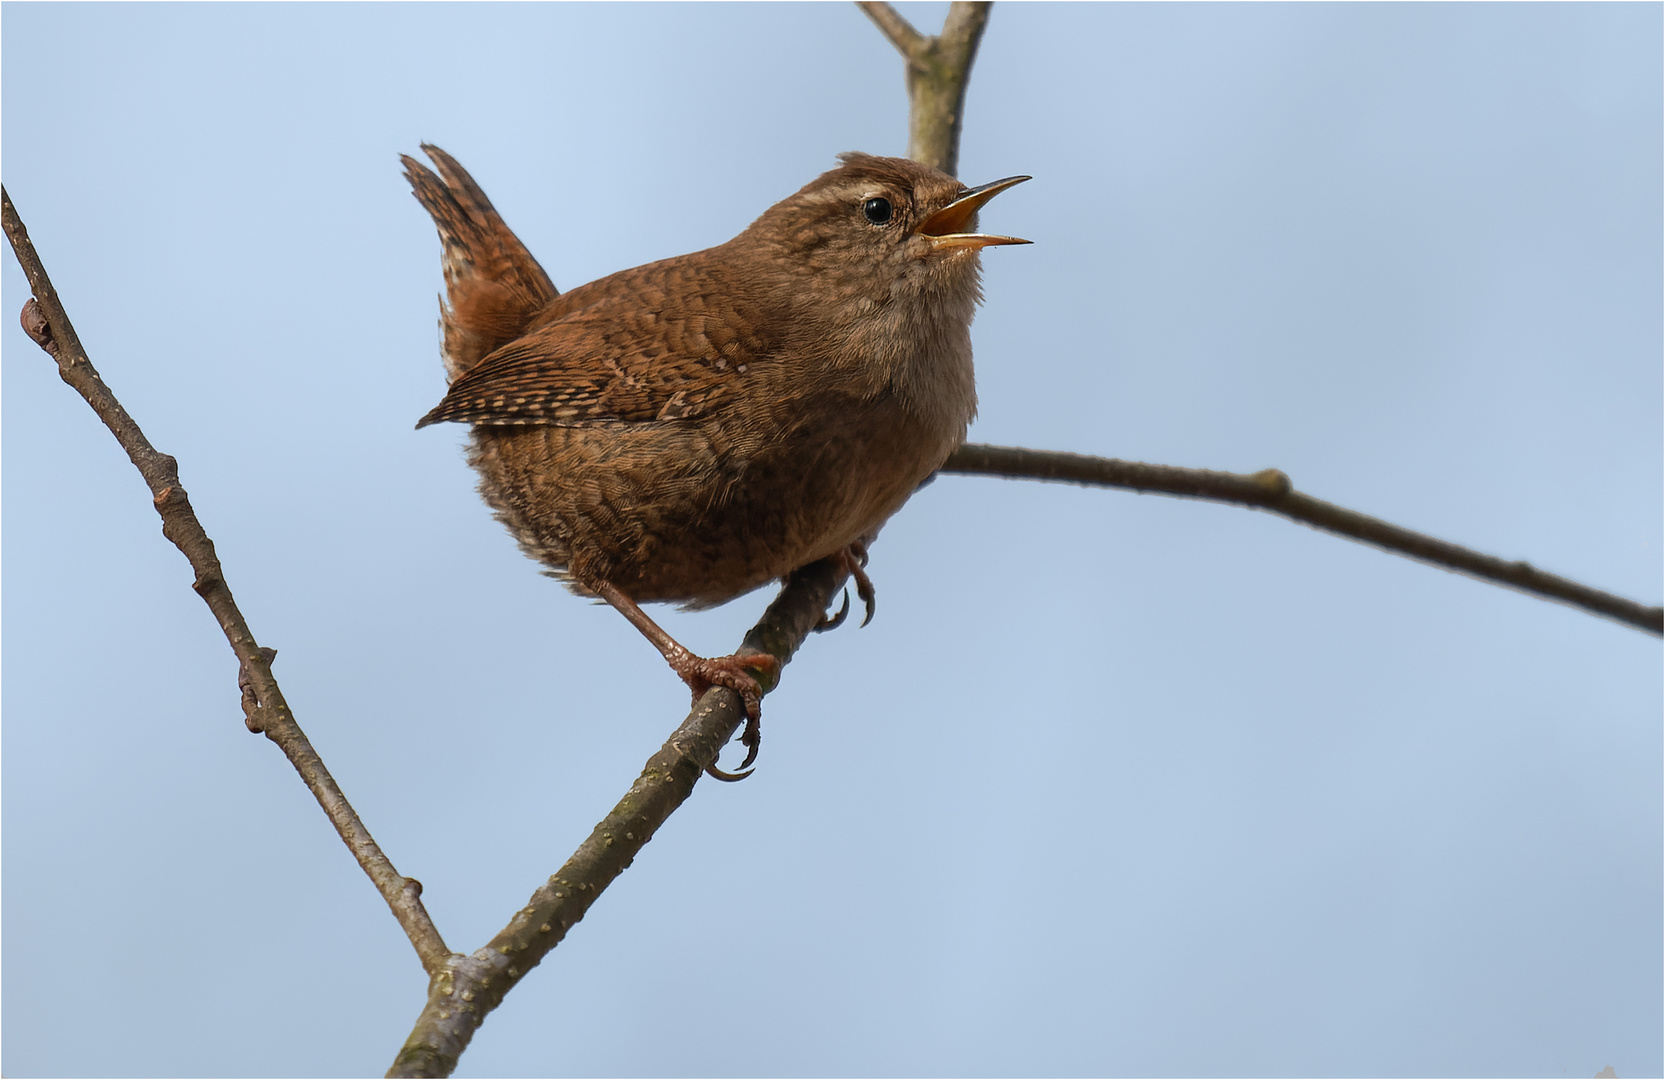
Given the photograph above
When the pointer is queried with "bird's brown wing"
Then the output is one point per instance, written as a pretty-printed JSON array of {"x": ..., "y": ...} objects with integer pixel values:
[
  {"x": 624, "y": 358},
  {"x": 494, "y": 287}
]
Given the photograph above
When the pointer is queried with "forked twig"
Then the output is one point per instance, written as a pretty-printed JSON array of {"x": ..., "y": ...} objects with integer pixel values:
[
  {"x": 469, "y": 987},
  {"x": 938, "y": 72}
]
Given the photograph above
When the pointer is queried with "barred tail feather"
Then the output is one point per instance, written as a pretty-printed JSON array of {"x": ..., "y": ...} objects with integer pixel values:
[{"x": 494, "y": 287}]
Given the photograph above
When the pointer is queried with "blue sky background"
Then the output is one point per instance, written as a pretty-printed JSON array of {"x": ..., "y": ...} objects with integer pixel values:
[{"x": 1114, "y": 784}]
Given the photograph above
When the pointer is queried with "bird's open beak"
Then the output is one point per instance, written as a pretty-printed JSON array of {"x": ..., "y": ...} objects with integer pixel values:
[{"x": 943, "y": 227}]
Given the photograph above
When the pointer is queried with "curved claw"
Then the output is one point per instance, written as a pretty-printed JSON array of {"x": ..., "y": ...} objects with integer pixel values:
[
  {"x": 853, "y": 559},
  {"x": 856, "y": 559},
  {"x": 833, "y": 622},
  {"x": 715, "y": 773},
  {"x": 752, "y": 740}
]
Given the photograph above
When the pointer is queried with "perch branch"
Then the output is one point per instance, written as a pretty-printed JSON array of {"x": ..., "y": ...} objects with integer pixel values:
[
  {"x": 265, "y": 709},
  {"x": 938, "y": 72},
  {"x": 1271, "y": 490},
  {"x": 468, "y": 987}
]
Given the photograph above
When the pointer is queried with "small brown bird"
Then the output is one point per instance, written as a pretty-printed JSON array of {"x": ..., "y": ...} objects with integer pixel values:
[{"x": 694, "y": 428}]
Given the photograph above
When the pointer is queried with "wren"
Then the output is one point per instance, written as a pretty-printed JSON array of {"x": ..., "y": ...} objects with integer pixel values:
[{"x": 692, "y": 429}]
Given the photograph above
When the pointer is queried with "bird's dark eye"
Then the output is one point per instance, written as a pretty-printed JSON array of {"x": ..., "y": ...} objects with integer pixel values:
[{"x": 876, "y": 210}]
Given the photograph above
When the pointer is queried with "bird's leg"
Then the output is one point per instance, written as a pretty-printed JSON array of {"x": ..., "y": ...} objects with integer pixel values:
[{"x": 701, "y": 674}]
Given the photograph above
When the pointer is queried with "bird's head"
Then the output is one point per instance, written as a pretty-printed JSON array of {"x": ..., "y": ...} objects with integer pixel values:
[{"x": 878, "y": 227}]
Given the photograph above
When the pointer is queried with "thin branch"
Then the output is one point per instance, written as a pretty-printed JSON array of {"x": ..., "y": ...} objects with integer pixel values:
[
  {"x": 469, "y": 987},
  {"x": 899, "y": 31},
  {"x": 1272, "y": 490},
  {"x": 266, "y": 711},
  {"x": 938, "y": 72}
]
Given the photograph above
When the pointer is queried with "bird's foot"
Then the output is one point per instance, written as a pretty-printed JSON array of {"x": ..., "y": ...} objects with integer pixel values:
[
  {"x": 740, "y": 674},
  {"x": 853, "y": 561},
  {"x": 854, "y": 558}
]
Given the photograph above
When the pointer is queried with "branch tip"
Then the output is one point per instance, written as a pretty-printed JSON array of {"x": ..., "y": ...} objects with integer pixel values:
[{"x": 1270, "y": 489}]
